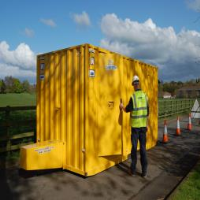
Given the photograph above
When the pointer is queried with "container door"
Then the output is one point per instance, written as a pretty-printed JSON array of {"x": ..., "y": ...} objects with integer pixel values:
[{"x": 109, "y": 94}]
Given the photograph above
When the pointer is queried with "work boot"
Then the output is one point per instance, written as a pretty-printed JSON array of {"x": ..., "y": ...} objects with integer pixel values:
[
  {"x": 144, "y": 174},
  {"x": 132, "y": 173}
]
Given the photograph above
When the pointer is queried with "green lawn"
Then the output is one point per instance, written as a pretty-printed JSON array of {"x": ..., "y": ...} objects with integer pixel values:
[
  {"x": 24, "y": 99},
  {"x": 190, "y": 188}
]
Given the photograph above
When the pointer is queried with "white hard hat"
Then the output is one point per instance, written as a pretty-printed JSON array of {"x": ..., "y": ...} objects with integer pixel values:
[{"x": 135, "y": 79}]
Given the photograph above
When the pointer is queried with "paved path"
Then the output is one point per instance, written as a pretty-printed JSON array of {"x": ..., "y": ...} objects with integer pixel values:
[{"x": 168, "y": 164}]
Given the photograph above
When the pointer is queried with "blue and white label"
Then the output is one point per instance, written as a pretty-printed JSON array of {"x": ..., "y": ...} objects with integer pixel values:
[
  {"x": 41, "y": 77},
  {"x": 91, "y": 73},
  {"x": 111, "y": 67}
]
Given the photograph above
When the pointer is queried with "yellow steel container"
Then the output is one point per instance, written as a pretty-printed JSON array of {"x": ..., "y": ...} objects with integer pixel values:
[{"x": 78, "y": 95}]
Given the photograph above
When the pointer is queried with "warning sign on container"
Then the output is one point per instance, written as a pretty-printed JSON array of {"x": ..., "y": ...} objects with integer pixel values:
[
  {"x": 41, "y": 77},
  {"x": 111, "y": 65},
  {"x": 91, "y": 73}
]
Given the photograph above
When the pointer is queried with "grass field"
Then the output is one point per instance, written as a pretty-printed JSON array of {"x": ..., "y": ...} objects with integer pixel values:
[
  {"x": 190, "y": 188},
  {"x": 24, "y": 99}
]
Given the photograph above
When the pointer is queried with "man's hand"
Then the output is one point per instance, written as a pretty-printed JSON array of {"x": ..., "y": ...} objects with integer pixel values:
[{"x": 121, "y": 106}]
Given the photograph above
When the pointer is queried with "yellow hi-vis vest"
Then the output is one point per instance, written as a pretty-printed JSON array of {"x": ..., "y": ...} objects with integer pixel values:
[{"x": 138, "y": 116}]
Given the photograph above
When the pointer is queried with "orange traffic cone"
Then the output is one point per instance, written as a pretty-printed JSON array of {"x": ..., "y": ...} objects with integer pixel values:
[
  {"x": 165, "y": 134},
  {"x": 189, "y": 126},
  {"x": 178, "y": 130}
]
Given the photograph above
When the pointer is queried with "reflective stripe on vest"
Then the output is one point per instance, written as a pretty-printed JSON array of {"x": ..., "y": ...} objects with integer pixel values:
[{"x": 139, "y": 114}]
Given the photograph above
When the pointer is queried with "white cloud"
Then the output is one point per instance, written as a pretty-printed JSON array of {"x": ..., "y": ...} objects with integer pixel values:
[
  {"x": 18, "y": 63},
  {"x": 194, "y": 5},
  {"x": 48, "y": 22},
  {"x": 28, "y": 32},
  {"x": 174, "y": 54},
  {"x": 82, "y": 20},
  {"x": 15, "y": 71}
]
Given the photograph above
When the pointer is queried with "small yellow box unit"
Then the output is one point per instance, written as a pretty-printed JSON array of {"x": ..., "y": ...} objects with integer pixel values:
[
  {"x": 42, "y": 155},
  {"x": 79, "y": 125}
]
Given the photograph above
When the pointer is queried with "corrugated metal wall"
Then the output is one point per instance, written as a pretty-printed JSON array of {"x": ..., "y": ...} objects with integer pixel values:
[{"x": 60, "y": 102}]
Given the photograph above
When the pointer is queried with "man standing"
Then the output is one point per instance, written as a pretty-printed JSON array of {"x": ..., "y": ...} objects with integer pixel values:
[{"x": 139, "y": 111}]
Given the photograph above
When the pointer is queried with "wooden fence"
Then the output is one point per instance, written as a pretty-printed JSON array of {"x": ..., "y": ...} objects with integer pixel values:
[
  {"x": 166, "y": 108},
  {"x": 7, "y": 138}
]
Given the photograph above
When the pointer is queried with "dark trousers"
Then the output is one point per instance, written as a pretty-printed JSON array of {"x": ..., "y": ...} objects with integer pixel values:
[{"x": 138, "y": 134}]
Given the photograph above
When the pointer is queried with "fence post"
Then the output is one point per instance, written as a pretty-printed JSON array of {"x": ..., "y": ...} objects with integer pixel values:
[
  {"x": 171, "y": 107},
  {"x": 176, "y": 106},
  {"x": 182, "y": 105},
  {"x": 7, "y": 120}
]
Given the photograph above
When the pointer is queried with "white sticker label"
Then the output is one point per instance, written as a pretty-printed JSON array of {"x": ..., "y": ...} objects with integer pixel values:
[
  {"x": 111, "y": 67},
  {"x": 42, "y": 58},
  {"x": 91, "y": 50},
  {"x": 44, "y": 150},
  {"x": 42, "y": 66},
  {"x": 92, "y": 61},
  {"x": 91, "y": 73}
]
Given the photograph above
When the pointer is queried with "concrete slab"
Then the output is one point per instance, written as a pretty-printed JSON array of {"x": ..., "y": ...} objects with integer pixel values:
[{"x": 168, "y": 164}]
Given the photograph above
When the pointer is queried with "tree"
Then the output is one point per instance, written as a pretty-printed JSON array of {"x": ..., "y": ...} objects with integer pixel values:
[
  {"x": 0, "y": 84},
  {"x": 180, "y": 83},
  {"x": 26, "y": 86},
  {"x": 17, "y": 86},
  {"x": 3, "y": 87},
  {"x": 13, "y": 85},
  {"x": 198, "y": 80},
  {"x": 170, "y": 87},
  {"x": 33, "y": 88},
  {"x": 9, "y": 80}
]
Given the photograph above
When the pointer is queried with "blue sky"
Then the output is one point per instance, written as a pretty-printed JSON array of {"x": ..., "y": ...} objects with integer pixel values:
[{"x": 162, "y": 32}]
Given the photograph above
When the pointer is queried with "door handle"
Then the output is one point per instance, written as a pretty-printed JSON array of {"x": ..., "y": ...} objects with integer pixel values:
[{"x": 57, "y": 109}]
